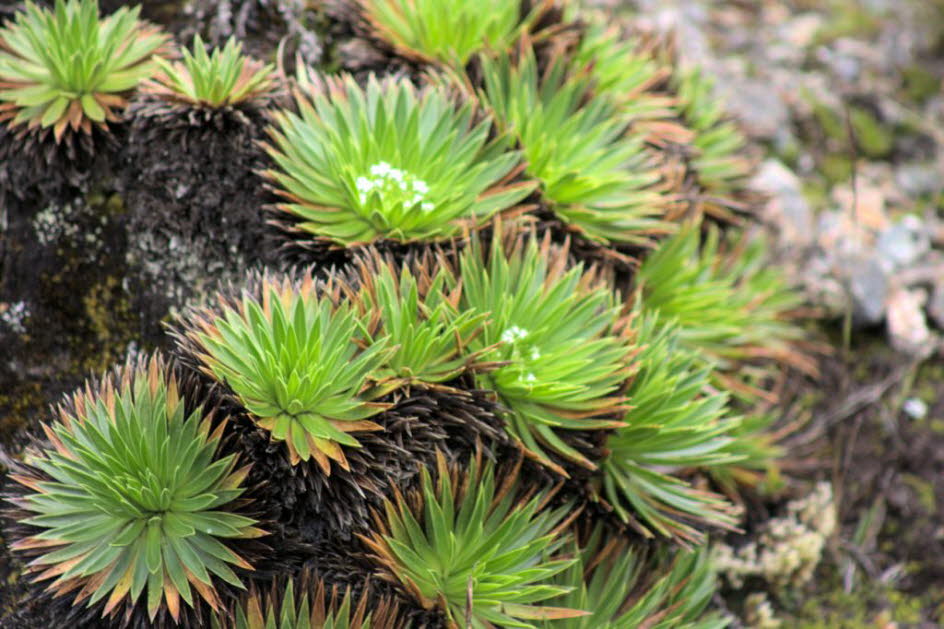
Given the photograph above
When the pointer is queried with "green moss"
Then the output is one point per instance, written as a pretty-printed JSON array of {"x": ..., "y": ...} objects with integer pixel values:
[
  {"x": 919, "y": 83},
  {"x": 18, "y": 404},
  {"x": 111, "y": 322},
  {"x": 846, "y": 18},
  {"x": 830, "y": 122},
  {"x": 836, "y": 168},
  {"x": 873, "y": 138},
  {"x": 871, "y": 605}
]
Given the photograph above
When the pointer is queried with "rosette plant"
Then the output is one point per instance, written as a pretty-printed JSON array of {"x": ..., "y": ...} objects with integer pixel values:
[
  {"x": 417, "y": 312},
  {"x": 730, "y": 308},
  {"x": 624, "y": 71},
  {"x": 561, "y": 337},
  {"x": 625, "y": 589},
  {"x": 449, "y": 32},
  {"x": 314, "y": 608},
  {"x": 69, "y": 69},
  {"x": 473, "y": 549},
  {"x": 594, "y": 173},
  {"x": 720, "y": 162},
  {"x": 131, "y": 495},
  {"x": 674, "y": 424},
  {"x": 291, "y": 353},
  {"x": 223, "y": 78},
  {"x": 356, "y": 165}
]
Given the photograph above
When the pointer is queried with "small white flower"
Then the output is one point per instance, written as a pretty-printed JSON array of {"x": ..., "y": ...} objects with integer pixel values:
[
  {"x": 380, "y": 169},
  {"x": 514, "y": 333},
  {"x": 535, "y": 353},
  {"x": 395, "y": 186},
  {"x": 530, "y": 378}
]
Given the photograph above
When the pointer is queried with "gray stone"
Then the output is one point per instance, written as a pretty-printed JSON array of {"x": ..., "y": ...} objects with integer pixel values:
[
  {"x": 918, "y": 179},
  {"x": 869, "y": 287},
  {"x": 758, "y": 106},
  {"x": 904, "y": 242},
  {"x": 787, "y": 209}
]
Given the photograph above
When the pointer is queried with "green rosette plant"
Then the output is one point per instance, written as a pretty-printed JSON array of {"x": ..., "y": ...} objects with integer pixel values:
[
  {"x": 560, "y": 336},
  {"x": 292, "y": 353},
  {"x": 675, "y": 423},
  {"x": 388, "y": 162},
  {"x": 731, "y": 309},
  {"x": 223, "y": 78},
  {"x": 416, "y": 311},
  {"x": 312, "y": 608},
  {"x": 623, "y": 70},
  {"x": 70, "y": 69},
  {"x": 594, "y": 172},
  {"x": 130, "y": 495},
  {"x": 473, "y": 549},
  {"x": 625, "y": 589},
  {"x": 448, "y": 32},
  {"x": 721, "y": 162}
]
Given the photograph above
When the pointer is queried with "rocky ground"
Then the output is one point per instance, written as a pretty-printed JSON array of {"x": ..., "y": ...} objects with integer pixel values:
[{"x": 844, "y": 103}]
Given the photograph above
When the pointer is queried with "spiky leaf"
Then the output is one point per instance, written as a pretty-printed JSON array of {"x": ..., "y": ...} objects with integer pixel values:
[
  {"x": 675, "y": 423},
  {"x": 419, "y": 315},
  {"x": 626, "y": 590}
]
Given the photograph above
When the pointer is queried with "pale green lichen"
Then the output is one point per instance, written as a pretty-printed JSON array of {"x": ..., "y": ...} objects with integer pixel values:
[
  {"x": 788, "y": 549},
  {"x": 759, "y": 613}
]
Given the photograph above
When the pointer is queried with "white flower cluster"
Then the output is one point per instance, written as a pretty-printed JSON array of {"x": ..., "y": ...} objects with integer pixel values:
[
  {"x": 513, "y": 336},
  {"x": 394, "y": 185},
  {"x": 514, "y": 333}
]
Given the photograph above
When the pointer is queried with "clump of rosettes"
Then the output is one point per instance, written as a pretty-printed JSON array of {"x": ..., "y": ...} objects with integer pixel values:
[
  {"x": 731, "y": 311},
  {"x": 675, "y": 424},
  {"x": 386, "y": 162},
  {"x": 596, "y": 174},
  {"x": 376, "y": 429},
  {"x": 196, "y": 216},
  {"x": 128, "y": 507}
]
